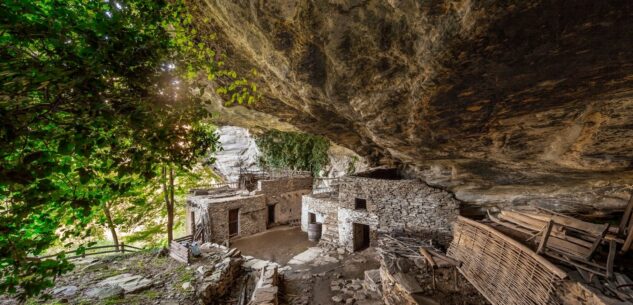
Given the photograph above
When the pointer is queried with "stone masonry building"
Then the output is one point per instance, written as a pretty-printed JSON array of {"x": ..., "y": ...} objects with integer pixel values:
[
  {"x": 380, "y": 201},
  {"x": 232, "y": 210}
]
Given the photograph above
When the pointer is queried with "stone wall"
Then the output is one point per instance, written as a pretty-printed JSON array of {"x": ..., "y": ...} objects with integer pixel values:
[
  {"x": 403, "y": 206},
  {"x": 325, "y": 209},
  {"x": 285, "y": 194},
  {"x": 346, "y": 220}
]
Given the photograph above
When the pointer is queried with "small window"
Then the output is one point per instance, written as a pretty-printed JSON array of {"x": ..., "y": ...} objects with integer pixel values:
[
  {"x": 360, "y": 204},
  {"x": 311, "y": 218}
]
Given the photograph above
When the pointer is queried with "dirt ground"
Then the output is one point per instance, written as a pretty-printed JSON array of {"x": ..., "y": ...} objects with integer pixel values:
[{"x": 278, "y": 244}]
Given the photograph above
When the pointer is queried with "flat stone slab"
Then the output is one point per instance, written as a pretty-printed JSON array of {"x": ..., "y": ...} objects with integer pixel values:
[
  {"x": 258, "y": 264},
  {"x": 66, "y": 291},
  {"x": 306, "y": 256},
  {"x": 129, "y": 282},
  {"x": 104, "y": 292}
]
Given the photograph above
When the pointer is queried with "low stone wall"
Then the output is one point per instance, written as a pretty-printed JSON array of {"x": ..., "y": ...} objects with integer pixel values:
[{"x": 218, "y": 281}]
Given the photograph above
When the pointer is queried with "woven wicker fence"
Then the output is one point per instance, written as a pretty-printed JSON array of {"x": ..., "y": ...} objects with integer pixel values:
[{"x": 503, "y": 270}]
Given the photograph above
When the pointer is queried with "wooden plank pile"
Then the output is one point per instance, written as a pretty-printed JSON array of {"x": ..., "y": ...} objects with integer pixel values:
[
  {"x": 503, "y": 270},
  {"x": 414, "y": 249},
  {"x": 569, "y": 240},
  {"x": 179, "y": 249}
]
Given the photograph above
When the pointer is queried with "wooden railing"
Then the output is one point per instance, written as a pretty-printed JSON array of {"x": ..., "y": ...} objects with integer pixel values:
[
  {"x": 204, "y": 187},
  {"x": 326, "y": 185},
  {"x": 121, "y": 248}
]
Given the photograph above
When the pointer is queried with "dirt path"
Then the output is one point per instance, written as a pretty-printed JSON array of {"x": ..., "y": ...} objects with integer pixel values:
[{"x": 279, "y": 244}]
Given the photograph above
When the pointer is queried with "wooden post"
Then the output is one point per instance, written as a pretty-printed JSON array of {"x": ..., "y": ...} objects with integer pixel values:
[
  {"x": 626, "y": 218},
  {"x": 610, "y": 259},
  {"x": 122, "y": 248},
  {"x": 548, "y": 231}
]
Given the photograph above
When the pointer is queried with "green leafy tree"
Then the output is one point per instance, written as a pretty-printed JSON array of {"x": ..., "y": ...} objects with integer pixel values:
[
  {"x": 91, "y": 92},
  {"x": 293, "y": 150}
]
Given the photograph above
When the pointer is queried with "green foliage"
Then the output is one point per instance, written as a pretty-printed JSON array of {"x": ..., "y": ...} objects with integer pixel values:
[
  {"x": 94, "y": 97},
  {"x": 293, "y": 150},
  {"x": 351, "y": 166}
]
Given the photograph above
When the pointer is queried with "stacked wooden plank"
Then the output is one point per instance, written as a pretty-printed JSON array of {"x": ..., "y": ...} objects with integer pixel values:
[
  {"x": 502, "y": 269},
  {"x": 566, "y": 239},
  {"x": 179, "y": 250}
]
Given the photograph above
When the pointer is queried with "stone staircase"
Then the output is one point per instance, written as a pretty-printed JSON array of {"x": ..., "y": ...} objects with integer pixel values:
[{"x": 329, "y": 236}]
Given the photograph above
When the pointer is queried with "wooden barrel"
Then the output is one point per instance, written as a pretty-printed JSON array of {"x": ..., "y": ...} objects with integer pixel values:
[{"x": 314, "y": 231}]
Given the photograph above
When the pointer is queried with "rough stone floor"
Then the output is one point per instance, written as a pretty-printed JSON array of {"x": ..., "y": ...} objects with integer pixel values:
[{"x": 313, "y": 275}]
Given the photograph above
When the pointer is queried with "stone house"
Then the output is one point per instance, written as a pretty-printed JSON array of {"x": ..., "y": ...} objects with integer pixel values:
[
  {"x": 240, "y": 209},
  {"x": 380, "y": 201}
]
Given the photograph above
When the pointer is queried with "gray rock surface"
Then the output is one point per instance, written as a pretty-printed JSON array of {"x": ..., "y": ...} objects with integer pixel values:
[
  {"x": 129, "y": 282},
  {"x": 65, "y": 291},
  {"x": 104, "y": 292},
  {"x": 503, "y": 103},
  {"x": 239, "y": 151}
]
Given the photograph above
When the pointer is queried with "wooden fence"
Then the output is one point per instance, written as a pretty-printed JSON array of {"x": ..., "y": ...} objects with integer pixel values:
[
  {"x": 122, "y": 248},
  {"x": 503, "y": 270}
]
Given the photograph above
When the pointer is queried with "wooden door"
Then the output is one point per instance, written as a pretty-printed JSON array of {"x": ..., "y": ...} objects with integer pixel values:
[
  {"x": 361, "y": 236},
  {"x": 234, "y": 222}
]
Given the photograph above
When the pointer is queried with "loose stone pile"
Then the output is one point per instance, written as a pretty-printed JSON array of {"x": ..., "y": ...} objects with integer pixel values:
[
  {"x": 348, "y": 291},
  {"x": 217, "y": 281},
  {"x": 267, "y": 288}
]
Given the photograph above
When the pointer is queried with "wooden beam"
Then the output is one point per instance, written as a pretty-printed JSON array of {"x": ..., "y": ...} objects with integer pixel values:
[
  {"x": 546, "y": 233},
  {"x": 610, "y": 259},
  {"x": 428, "y": 257},
  {"x": 597, "y": 242},
  {"x": 567, "y": 241},
  {"x": 578, "y": 224},
  {"x": 628, "y": 241},
  {"x": 627, "y": 218}
]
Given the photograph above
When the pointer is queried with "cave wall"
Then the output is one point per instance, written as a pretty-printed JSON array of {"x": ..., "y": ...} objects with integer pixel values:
[{"x": 500, "y": 102}]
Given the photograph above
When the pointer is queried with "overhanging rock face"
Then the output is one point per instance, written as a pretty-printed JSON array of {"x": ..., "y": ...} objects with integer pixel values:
[
  {"x": 502, "y": 102},
  {"x": 503, "y": 270}
]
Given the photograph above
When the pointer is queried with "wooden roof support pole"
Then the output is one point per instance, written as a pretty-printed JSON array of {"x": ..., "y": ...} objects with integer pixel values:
[
  {"x": 610, "y": 259},
  {"x": 597, "y": 242},
  {"x": 626, "y": 218},
  {"x": 629, "y": 240},
  {"x": 547, "y": 232}
]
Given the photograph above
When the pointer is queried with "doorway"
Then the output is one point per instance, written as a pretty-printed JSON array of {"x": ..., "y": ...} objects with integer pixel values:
[
  {"x": 271, "y": 215},
  {"x": 361, "y": 236},
  {"x": 234, "y": 222}
]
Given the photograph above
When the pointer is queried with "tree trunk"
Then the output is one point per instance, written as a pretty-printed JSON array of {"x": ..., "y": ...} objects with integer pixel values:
[
  {"x": 108, "y": 215},
  {"x": 170, "y": 208},
  {"x": 168, "y": 191}
]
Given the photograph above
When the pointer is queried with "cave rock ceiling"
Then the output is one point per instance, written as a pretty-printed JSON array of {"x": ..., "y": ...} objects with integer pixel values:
[{"x": 501, "y": 102}]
